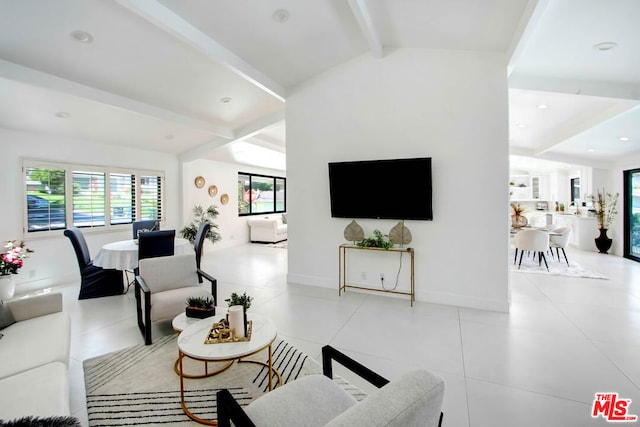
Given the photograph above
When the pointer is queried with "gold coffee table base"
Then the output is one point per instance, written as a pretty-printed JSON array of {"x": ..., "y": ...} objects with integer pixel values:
[{"x": 206, "y": 374}]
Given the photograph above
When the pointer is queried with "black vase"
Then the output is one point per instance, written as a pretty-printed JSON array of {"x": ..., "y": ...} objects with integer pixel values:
[{"x": 603, "y": 243}]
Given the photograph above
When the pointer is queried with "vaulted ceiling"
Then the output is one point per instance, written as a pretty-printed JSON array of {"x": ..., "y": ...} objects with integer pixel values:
[{"x": 209, "y": 79}]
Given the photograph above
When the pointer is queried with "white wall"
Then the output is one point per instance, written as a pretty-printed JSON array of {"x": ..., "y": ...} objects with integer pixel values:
[
  {"x": 233, "y": 228},
  {"x": 451, "y": 106},
  {"x": 54, "y": 261}
]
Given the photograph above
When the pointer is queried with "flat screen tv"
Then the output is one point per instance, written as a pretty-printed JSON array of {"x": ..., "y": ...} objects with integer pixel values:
[{"x": 385, "y": 189}]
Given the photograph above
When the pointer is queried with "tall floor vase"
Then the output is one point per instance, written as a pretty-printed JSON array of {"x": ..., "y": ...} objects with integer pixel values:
[
  {"x": 7, "y": 287},
  {"x": 603, "y": 243}
]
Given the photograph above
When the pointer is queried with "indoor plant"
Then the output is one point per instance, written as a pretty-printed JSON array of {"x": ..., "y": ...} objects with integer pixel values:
[
  {"x": 200, "y": 307},
  {"x": 377, "y": 241},
  {"x": 200, "y": 215},
  {"x": 606, "y": 212},
  {"x": 517, "y": 219},
  {"x": 243, "y": 300},
  {"x": 11, "y": 260}
]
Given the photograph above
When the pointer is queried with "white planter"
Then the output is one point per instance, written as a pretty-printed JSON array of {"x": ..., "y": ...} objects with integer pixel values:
[{"x": 7, "y": 287}]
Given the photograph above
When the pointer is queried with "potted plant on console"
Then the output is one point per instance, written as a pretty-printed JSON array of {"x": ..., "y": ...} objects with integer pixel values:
[
  {"x": 200, "y": 307},
  {"x": 10, "y": 263},
  {"x": 605, "y": 212}
]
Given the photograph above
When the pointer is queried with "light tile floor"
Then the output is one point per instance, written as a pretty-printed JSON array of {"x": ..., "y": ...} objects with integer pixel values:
[{"x": 540, "y": 365}]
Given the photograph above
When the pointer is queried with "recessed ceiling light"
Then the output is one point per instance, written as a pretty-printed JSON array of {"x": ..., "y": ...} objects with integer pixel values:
[
  {"x": 542, "y": 106},
  {"x": 623, "y": 138},
  {"x": 605, "y": 46},
  {"x": 82, "y": 36},
  {"x": 225, "y": 100},
  {"x": 521, "y": 125},
  {"x": 63, "y": 114},
  {"x": 280, "y": 15},
  {"x": 591, "y": 150}
]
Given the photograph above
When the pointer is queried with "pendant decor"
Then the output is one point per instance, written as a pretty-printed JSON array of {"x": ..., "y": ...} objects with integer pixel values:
[
  {"x": 7, "y": 287},
  {"x": 603, "y": 243},
  {"x": 400, "y": 235},
  {"x": 353, "y": 232}
]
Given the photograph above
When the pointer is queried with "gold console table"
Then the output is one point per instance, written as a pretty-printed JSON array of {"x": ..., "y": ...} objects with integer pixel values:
[{"x": 342, "y": 270}]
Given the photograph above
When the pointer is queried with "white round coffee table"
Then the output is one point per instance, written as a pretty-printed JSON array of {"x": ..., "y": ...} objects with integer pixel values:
[{"x": 191, "y": 344}]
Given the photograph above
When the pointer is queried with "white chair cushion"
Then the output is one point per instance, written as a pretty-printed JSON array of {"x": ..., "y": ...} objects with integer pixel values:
[
  {"x": 169, "y": 272},
  {"x": 309, "y": 401},
  {"x": 413, "y": 400},
  {"x": 35, "y": 342},
  {"x": 168, "y": 304},
  {"x": 41, "y": 392}
]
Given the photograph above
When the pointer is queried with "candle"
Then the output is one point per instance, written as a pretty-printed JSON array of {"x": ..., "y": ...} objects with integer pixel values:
[{"x": 236, "y": 320}]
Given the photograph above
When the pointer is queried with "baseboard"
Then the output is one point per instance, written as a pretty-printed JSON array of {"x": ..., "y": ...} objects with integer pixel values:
[{"x": 429, "y": 297}]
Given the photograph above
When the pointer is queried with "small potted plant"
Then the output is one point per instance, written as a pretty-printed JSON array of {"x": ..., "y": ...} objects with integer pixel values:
[
  {"x": 200, "y": 307},
  {"x": 243, "y": 300}
]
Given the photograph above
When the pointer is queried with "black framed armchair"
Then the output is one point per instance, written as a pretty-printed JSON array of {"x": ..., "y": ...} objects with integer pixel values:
[
  {"x": 414, "y": 399},
  {"x": 163, "y": 286}
]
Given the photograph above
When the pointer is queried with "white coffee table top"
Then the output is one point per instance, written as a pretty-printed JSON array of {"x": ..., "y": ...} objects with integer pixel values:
[
  {"x": 182, "y": 322},
  {"x": 191, "y": 340}
]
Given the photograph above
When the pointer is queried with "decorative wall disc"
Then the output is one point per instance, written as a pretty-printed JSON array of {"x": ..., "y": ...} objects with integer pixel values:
[
  {"x": 353, "y": 232},
  {"x": 224, "y": 199},
  {"x": 400, "y": 235},
  {"x": 213, "y": 190},
  {"x": 199, "y": 182}
]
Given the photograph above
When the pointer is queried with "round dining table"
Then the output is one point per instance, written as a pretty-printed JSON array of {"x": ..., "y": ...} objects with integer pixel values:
[{"x": 123, "y": 255}]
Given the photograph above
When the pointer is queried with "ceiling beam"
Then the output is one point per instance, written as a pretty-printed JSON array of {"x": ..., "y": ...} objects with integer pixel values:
[
  {"x": 170, "y": 22},
  {"x": 602, "y": 89},
  {"x": 527, "y": 25},
  {"x": 572, "y": 129},
  {"x": 360, "y": 10},
  {"x": 31, "y": 77},
  {"x": 241, "y": 133}
]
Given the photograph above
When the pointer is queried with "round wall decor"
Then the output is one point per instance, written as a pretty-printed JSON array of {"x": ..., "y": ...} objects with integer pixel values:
[
  {"x": 224, "y": 199},
  {"x": 213, "y": 190},
  {"x": 199, "y": 181}
]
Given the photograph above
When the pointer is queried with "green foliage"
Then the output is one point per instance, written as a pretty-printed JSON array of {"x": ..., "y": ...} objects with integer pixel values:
[
  {"x": 200, "y": 216},
  {"x": 377, "y": 241},
  {"x": 243, "y": 300},
  {"x": 606, "y": 210},
  {"x": 200, "y": 302}
]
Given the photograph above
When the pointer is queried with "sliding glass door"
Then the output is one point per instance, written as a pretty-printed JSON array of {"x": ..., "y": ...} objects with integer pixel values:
[{"x": 632, "y": 214}]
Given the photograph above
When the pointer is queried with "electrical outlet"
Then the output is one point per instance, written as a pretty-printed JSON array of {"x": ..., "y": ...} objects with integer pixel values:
[{"x": 381, "y": 276}]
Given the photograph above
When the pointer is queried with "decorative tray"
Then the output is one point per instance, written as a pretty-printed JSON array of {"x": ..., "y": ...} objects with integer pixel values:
[{"x": 221, "y": 333}]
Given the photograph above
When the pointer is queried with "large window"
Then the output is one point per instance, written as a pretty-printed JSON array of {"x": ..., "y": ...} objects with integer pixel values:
[
  {"x": 260, "y": 194},
  {"x": 58, "y": 196},
  {"x": 631, "y": 202}
]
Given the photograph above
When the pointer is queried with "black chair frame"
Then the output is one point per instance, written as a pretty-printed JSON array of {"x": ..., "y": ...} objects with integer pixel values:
[
  {"x": 149, "y": 225},
  {"x": 229, "y": 410},
  {"x": 198, "y": 243},
  {"x": 141, "y": 287}
]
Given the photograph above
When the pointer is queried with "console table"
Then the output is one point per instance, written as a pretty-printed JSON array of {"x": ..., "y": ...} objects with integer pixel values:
[{"x": 342, "y": 270}]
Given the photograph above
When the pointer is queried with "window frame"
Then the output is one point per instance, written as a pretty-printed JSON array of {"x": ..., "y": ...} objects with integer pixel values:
[
  {"x": 69, "y": 169},
  {"x": 275, "y": 204}
]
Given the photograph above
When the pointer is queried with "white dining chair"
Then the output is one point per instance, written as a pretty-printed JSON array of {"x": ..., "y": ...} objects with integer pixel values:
[
  {"x": 536, "y": 241},
  {"x": 559, "y": 239}
]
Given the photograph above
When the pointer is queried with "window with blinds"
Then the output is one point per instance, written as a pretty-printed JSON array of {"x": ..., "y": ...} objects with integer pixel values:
[{"x": 61, "y": 195}]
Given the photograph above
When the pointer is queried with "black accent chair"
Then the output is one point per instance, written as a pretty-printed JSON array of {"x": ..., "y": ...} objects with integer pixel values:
[
  {"x": 198, "y": 244},
  {"x": 229, "y": 410},
  {"x": 95, "y": 281},
  {"x": 156, "y": 243},
  {"x": 148, "y": 225}
]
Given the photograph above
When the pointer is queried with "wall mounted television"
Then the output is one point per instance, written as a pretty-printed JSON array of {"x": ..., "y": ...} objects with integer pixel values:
[{"x": 381, "y": 189}]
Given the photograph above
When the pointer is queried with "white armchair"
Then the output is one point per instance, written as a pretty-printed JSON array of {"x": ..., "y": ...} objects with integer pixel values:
[
  {"x": 536, "y": 241},
  {"x": 163, "y": 286},
  {"x": 414, "y": 399},
  {"x": 559, "y": 239}
]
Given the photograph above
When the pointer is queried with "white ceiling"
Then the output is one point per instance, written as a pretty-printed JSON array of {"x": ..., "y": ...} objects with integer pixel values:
[{"x": 157, "y": 72}]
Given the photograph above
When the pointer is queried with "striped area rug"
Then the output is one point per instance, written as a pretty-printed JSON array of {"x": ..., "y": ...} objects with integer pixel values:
[{"x": 138, "y": 385}]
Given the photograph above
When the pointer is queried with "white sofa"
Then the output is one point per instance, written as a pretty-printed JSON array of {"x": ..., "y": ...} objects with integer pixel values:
[
  {"x": 34, "y": 351},
  {"x": 271, "y": 229}
]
